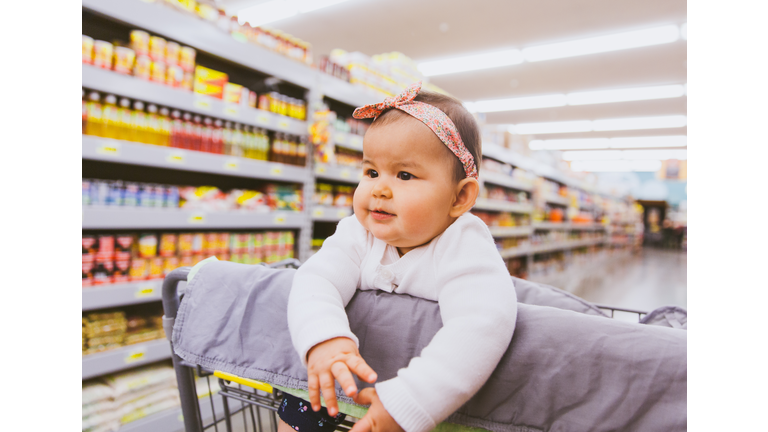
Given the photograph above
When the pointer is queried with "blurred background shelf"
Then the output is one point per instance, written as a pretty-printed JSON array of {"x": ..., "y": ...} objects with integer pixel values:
[
  {"x": 503, "y": 206},
  {"x": 549, "y": 247},
  {"x": 126, "y": 357},
  {"x": 506, "y": 181},
  {"x": 329, "y": 213},
  {"x": 123, "y": 294},
  {"x": 349, "y": 141},
  {"x": 557, "y": 199},
  {"x": 139, "y": 218},
  {"x": 514, "y": 252},
  {"x": 511, "y": 231},
  {"x": 343, "y": 174},
  {"x": 118, "y": 151},
  {"x": 568, "y": 226}
]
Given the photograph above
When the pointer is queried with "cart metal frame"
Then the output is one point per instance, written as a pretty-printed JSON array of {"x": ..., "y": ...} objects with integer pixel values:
[{"x": 255, "y": 398}]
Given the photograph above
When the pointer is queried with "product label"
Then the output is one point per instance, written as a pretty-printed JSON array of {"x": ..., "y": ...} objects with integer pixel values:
[
  {"x": 202, "y": 103},
  {"x": 345, "y": 174},
  {"x": 232, "y": 165},
  {"x": 318, "y": 212},
  {"x": 279, "y": 220},
  {"x": 276, "y": 170},
  {"x": 320, "y": 169},
  {"x": 341, "y": 138},
  {"x": 136, "y": 355},
  {"x": 175, "y": 158},
  {"x": 263, "y": 119},
  {"x": 232, "y": 111},
  {"x": 109, "y": 149},
  {"x": 146, "y": 291},
  {"x": 197, "y": 218},
  {"x": 283, "y": 124}
]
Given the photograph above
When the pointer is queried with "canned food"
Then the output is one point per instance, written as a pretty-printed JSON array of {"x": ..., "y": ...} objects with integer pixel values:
[
  {"x": 188, "y": 82},
  {"x": 143, "y": 67},
  {"x": 102, "y": 54},
  {"x": 89, "y": 244},
  {"x": 123, "y": 246},
  {"x": 187, "y": 59},
  {"x": 121, "y": 271},
  {"x": 106, "y": 250},
  {"x": 124, "y": 59},
  {"x": 140, "y": 42},
  {"x": 168, "y": 245},
  {"x": 156, "y": 268},
  {"x": 174, "y": 76},
  {"x": 157, "y": 71},
  {"x": 170, "y": 264},
  {"x": 185, "y": 261},
  {"x": 211, "y": 244},
  {"x": 185, "y": 244},
  {"x": 139, "y": 269},
  {"x": 147, "y": 246},
  {"x": 87, "y": 49},
  {"x": 198, "y": 243},
  {"x": 102, "y": 272},
  {"x": 172, "y": 53},
  {"x": 157, "y": 48}
]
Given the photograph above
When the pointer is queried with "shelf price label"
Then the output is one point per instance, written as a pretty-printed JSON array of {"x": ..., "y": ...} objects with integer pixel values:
[
  {"x": 318, "y": 212},
  {"x": 341, "y": 138},
  {"x": 136, "y": 355},
  {"x": 263, "y": 119},
  {"x": 320, "y": 169},
  {"x": 283, "y": 124},
  {"x": 276, "y": 170},
  {"x": 202, "y": 102},
  {"x": 145, "y": 291},
  {"x": 279, "y": 219},
  {"x": 356, "y": 141},
  {"x": 175, "y": 158},
  {"x": 196, "y": 218},
  {"x": 345, "y": 174},
  {"x": 109, "y": 149},
  {"x": 232, "y": 165},
  {"x": 232, "y": 110},
  {"x": 343, "y": 213}
]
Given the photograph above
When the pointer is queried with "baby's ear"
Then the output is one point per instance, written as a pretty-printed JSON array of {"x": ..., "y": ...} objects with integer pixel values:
[{"x": 466, "y": 194}]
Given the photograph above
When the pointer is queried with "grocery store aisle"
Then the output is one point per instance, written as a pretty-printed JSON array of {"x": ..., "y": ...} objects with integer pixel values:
[{"x": 645, "y": 281}]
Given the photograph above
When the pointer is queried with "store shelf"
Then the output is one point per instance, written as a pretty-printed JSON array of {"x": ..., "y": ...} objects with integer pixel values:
[
  {"x": 502, "y": 206},
  {"x": 171, "y": 420},
  {"x": 329, "y": 213},
  {"x": 140, "y": 218},
  {"x": 557, "y": 199},
  {"x": 342, "y": 174},
  {"x": 135, "y": 88},
  {"x": 506, "y": 181},
  {"x": 125, "y": 358},
  {"x": 126, "y": 152},
  {"x": 568, "y": 226},
  {"x": 350, "y": 141},
  {"x": 106, "y": 296},
  {"x": 517, "y": 231},
  {"x": 514, "y": 252},
  {"x": 564, "y": 245}
]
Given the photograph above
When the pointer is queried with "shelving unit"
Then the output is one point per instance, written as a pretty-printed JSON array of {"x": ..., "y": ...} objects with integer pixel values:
[
  {"x": 340, "y": 174},
  {"x": 141, "y": 218},
  {"x": 350, "y": 141},
  {"x": 124, "y": 294},
  {"x": 506, "y": 181},
  {"x": 126, "y": 357},
  {"x": 172, "y": 420},
  {"x": 502, "y": 206},
  {"x": 329, "y": 213}
]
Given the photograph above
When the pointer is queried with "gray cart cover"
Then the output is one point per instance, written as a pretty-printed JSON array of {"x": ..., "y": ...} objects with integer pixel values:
[{"x": 564, "y": 370}]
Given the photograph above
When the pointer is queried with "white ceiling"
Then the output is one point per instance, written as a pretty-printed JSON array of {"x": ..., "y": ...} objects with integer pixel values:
[{"x": 415, "y": 28}]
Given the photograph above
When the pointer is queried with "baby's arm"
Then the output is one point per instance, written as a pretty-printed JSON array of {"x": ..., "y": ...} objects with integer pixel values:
[
  {"x": 478, "y": 307},
  {"x": 318, "y": 323}
]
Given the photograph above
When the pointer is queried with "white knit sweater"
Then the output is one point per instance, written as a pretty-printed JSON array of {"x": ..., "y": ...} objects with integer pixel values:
[{"x": 460, "y": 269}]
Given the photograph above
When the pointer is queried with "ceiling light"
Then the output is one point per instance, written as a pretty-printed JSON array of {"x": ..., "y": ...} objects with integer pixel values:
[
  {"x": 521, "y": 103},
  {"x": 616, "y": 166},
  {"x": 471, "y": 62},
  {"x": 552, "y": 127},
  {"x": 568, "y": 144},
  {"x": 267, "y": 12},
  {"x": 596, "y": 155},
  {"x": 614, "y": 42},
  {"x": 649, "y": 141},
  {"x": 630, "y": 123},
  {"x": 623, "y": 95}
]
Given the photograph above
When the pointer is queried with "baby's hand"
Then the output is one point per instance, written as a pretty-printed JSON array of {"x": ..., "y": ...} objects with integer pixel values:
[
  {"x": 335, "y": 358},
  {"x": 377, "y": 419}
]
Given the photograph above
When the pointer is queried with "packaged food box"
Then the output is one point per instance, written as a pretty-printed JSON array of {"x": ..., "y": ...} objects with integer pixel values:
[
  {"x": 233, "y": 93},
  {"x": 168, "y": 245},
  {"x": 124, "y": 59},
  {"x": 139, "y": 269},
  {"x": 157, "y": 48},
  {"x": 102, "y": 54},
  {"x": 143, "y": 67},
  {"x": 140, "y": 42},
  {"x": 147, "y": 246},
  {"x": 172, "y": 51},
  {"x": 210, "y": 82}
]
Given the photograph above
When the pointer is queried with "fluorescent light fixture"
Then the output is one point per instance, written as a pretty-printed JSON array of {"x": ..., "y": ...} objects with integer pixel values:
[
  {"x": 616, "y": 166},
  {"x": 521, "y": 103},
  {"x": 628, "y": 123},
  {"x": 623, "y": 95},
  {"x": 595, "y": 155},
  {"x": 552, "y": 127},
  {"x": 684, "y": 31},
  {"x": 310, "y": 5},
  {"x": 614, "y": 42},
  {"x": 650, "y": 141},
  {"x": 632, "y": 123},
  {"x": 568, "y": 144},
  {"x": 268, "y": 12},
  {"x": 471, "y": 62},
  {"x": 580, "y": 98}
]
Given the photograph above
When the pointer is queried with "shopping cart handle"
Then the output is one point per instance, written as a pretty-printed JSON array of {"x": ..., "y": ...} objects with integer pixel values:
[{"x": 258, "y": 385}]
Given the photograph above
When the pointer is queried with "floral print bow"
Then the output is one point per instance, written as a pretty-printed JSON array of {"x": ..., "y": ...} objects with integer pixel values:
[{"x": 431, "y": 116}]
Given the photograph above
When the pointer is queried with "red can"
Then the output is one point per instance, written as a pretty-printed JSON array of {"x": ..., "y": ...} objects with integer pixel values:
[
  {"x": 123, "y": 246},
  {"x": 106, "y": 251}
]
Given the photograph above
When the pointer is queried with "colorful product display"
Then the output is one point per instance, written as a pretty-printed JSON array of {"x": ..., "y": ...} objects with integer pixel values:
[
  {"x": 499, "y": 193},
  {"x": 127, "y": 257},
  {"x": 502, "y": 219},
  {"x": 330, "y": 195},
  {"x": 105, "y": 330},
  {"x": 350, "y": 125}
]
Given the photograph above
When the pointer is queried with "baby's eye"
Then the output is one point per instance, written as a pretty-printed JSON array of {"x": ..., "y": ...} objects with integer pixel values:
[
  {"x": 371, "y": 173},
  {"x": 402, "y": 175}
]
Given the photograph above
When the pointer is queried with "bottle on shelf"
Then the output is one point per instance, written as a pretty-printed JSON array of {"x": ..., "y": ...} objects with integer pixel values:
[
  {"x": 197, "y": 133},
  {"x": 124, "y": 113},
  {"x": 94, "y": 120},
  {"x": 138, "y": 123},
  {"x": 237, "y": 140},
  {"x": 188, "y": 131},
  {"x": 177, "y": 129},
  {"x": 276, "y": 148},
  {"x": 85, "y": 112},
  {"x": 263, "y": 145},
  {"x": 226, "y": 137},
  {"x": 153, "y": 125},
  {"x": 206, "y": 143},
  {"x": 249, "y": 142},
  {"x": 217, "y": 137},
  {"x": 302, "y": 151},
  {"x": 165, "y": 127}
]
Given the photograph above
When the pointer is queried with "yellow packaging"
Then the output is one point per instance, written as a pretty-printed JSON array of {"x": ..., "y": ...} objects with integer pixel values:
[
  {"x": 157, "y": 48},
  {"x": 124, "y": 58},
  {"x": 232, "y": 93},
  {"x": 172, "y": 53},
  {"x": 170, "y": 264},
  {"x": 102, "y": 55},
  {"x": 187, "y": 59},
  {"x": 140, "y": 42},
  {"x": 143, "y": 67},
  {"x": 157, "y": 72},
  {"x": 210, "y": 82},
  {"x": 139, "y": 269},
  {"x": 174, "y": 76},
  {"x": 156, "y": 268},
  {"x": 87, "y": 49}
]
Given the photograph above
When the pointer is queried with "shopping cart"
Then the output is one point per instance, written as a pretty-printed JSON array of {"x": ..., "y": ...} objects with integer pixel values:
[{"x": 254, "y": 401}]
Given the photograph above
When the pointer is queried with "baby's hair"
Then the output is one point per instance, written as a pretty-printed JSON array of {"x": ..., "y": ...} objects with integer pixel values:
[{"x": 452, "y": 107}]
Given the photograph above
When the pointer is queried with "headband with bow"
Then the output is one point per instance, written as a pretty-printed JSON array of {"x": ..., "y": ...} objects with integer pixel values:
[{"x": 431, "y": 116}]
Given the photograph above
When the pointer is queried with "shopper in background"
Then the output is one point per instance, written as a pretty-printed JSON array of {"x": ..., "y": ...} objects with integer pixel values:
[{"x": 411, "y": 234}]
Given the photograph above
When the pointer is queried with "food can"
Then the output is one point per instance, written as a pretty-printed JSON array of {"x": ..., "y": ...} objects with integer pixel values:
[
  {"x": 157, "y": 49},
  {"x": 147, "y": 245},
  {"x": 187, "y": 59},
  {"x": 197, "y": 258},
  {"x": 170, "y": 264},
  {"x": 140, "y": 42},
  {"x": 211, "y": 244},
  {"x": 124, "y": 59},
  {"x": 185, "y": 244},
  {"x": 143, "y": 67},
  {"x": 263, "y": 102},
  {"x": 172, "y": 53},
  {"x": 121, "y": 272},
  {"x": 156, "y": 268},
  {"x": 88, "y": 267},
  {"x": 252, "y": 99},
  {"x": 87, "y": 49},
  {"x": 168, "y": 245},
  {"x": 223, "y": 243},
  {"x": 139, "y": 269},
  {"x": 188, "y": 82},
  {"x": 157, "y": 71},
  {"x": 123, "y": 246},
  {"x": 102, "y": 54},
  {"x": 185, "y": 261},
  {"x": 89, "y": 244},
  {"x": 198, "y": 243},
  {"x": 174, "y": 76},
  {"x": 102, "y": 272},
  {"x": 106, "y": 250}
]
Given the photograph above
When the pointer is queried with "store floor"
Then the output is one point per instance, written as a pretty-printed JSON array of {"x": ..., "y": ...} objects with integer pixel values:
[{"x": 644, "y": 281}]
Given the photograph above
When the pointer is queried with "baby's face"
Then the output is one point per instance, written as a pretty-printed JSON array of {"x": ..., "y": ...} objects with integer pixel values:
[{"x": 408, "y": 188}]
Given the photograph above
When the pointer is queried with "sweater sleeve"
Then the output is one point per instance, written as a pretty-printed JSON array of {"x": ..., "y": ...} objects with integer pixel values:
[
  {"x": 323, "y": 286},
  {"x": 478, "y": 307}
]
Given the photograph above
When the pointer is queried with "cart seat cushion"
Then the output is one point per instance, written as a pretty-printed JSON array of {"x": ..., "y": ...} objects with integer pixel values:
[{"x": 563, "y": 370}]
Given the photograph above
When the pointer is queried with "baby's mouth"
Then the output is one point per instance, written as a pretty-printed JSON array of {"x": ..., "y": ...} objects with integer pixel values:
[{"x": 381, "y": 213}]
